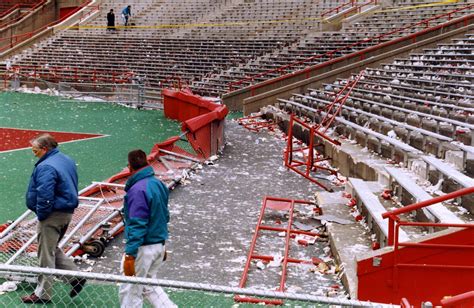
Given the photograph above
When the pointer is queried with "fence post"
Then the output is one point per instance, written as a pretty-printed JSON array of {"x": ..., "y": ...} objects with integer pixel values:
[{"x": 391, "y": 233}]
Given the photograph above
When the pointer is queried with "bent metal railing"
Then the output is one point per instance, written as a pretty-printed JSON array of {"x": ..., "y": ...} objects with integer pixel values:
[{"x": 332, "y": 58}]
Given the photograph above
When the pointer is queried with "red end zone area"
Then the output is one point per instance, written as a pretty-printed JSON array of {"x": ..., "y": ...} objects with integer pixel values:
[{"x": 15, "y": 138}]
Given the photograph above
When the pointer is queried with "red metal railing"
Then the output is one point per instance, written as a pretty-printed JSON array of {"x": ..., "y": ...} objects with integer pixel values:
[
  {"x": 289, "y": 232},
  {"x": 352, "y": 4},
  {"x": 31, "y": 8},
  {"x": 461, "y": 300},
  {"x": 16, "y": 39},
  {"x": 394, "y": 221},
  {"x": 56, "y": 74},
  {"x": 331, "y": 54},
  {"x": 16, "y": 7},
  {"x": 176, "y": 82},
  {"x": 394, "y": 226}
]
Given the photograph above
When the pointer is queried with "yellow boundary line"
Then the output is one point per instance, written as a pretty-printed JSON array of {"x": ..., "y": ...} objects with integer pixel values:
[{"x": 248, "y": 23}]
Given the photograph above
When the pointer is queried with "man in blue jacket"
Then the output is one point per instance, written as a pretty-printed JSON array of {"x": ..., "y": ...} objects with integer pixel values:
[
  {"x": 126, "y": 14},
  {"x": 146, "y": 217},
  {"x": 52, "y": 195}
]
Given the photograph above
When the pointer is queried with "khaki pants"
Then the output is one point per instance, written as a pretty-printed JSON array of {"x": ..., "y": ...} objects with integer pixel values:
[
  {"x": 147, "y": 263},
  {"x": 50, "y": 232}
]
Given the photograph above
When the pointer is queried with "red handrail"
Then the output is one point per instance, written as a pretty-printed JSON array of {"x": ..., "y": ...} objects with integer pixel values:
[
  {"x": 13, "y": 8},
  {"x": 461, "y": 300},
  {"x": 178, "y": 83},
  {"x": 331, "y": 54},
  {"x": 67, "y": 73},
  {"x": 16, "y": 39},
  {"x": 31, "y": 7},
  {"x": 351, "y": 3},
  {"x": 393, "y": 215}
]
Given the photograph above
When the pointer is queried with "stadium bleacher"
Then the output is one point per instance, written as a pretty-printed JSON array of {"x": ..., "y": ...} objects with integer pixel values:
[{"x": 413, "y": 114}]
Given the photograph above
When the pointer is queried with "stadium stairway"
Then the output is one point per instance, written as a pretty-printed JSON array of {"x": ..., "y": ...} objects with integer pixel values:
[{"x": 406, "y": 137}]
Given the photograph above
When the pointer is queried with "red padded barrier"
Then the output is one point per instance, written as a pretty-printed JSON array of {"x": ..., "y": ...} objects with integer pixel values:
[
  {"x": 183, "y": 105},
  {"x": 203, "y": 120},
  {"x": 420, "y": 274}
]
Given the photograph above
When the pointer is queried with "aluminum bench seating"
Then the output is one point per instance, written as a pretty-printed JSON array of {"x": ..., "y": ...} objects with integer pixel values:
[
  {"x": 429, "y": 97},
  {"x": 411, "y": 129},
  {"x": 420, "y": 104},
  {"x": 436, "y": 212},
  {"x": 399, "y": 151},
  {"x": 428, "y": 78},
  {"x": 448, "y": 171},
  {"x": 369, "y": 204},
  {"x": 434, "y": 85},
  {"x": 407, "y": 112}
]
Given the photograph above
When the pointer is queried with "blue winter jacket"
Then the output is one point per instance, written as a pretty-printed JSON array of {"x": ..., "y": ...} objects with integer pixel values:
[
  {"x": 53, "y": 185},
  {"x": 126, "y": 12},
  {"x": 145, "y": 211}
]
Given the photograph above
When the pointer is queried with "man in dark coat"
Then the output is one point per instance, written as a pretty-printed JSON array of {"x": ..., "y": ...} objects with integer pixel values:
[
  {"x": 111, "y": 20},
  {"x": 52, "y": 195}
]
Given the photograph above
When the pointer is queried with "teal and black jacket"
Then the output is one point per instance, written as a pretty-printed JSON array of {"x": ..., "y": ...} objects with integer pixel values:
[{"x": 145, "y": 210}]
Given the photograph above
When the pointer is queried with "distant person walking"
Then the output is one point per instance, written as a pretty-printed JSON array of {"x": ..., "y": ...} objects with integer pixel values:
[
  {"x": 111, "y": 21},
  {"x": 146, "y": 218},
  {"x": 52, "y": 195},
  {"x": 126, "y": 14}
]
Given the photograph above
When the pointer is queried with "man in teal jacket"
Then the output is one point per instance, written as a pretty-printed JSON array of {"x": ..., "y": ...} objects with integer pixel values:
[
  {"x": 146, "y": 218},
  {"x": 52, "y": 195}
]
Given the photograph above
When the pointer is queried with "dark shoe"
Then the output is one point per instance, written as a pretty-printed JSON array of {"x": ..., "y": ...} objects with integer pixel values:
[
  {"x": 77, "y": 286},
  {"x": 33, "y": 299}
]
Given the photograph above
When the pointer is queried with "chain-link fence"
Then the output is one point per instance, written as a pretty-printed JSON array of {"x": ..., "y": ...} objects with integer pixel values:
[{"x": 102, "y": 290}]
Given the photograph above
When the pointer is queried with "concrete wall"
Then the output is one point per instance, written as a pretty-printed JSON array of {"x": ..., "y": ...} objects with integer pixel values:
[
  {"x": 78, "y": 18},
  {"x": 42, "y": 16}
]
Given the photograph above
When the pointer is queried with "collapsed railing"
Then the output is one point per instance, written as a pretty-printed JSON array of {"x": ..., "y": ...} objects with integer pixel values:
[
  {"x": 98, "y": 219},
  {"x": 311, "y": 158},
  {"x": 285, "y": 205}
]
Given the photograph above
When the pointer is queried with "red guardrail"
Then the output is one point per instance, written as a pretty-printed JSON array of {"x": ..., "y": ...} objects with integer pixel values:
[
  {"x": 176, "y": 82},
  {"x": 332, "y": 53},
  {"x": 31, "y": 7},
  {"x": 16, "y": 39},
  {"x": 16, "y": 7},
  {"x": 459, "y": 301},
  {"x": 399, "y": 261},
  {"x": 352, "y": 3},
  {"x": 66, "y": 73},
  {"x": 393, "y": 216}
]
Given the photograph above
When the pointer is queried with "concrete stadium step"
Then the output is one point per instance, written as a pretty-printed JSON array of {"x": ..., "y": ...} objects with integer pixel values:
[
  {"x": 370, "y": 206},
  {"x": 437, "y": 170},
  {"x": 346, "y": 240}
]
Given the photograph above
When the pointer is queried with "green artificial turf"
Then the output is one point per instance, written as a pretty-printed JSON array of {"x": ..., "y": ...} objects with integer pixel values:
[{"x": 97, "y": 159}]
